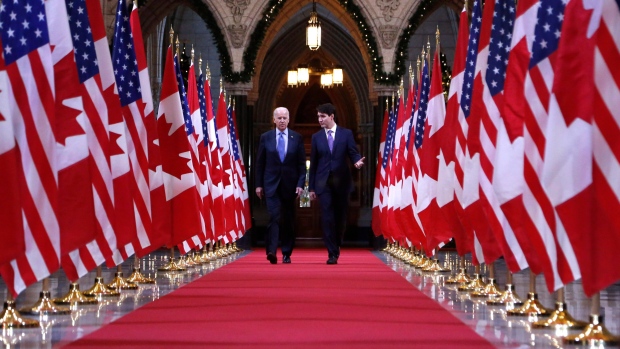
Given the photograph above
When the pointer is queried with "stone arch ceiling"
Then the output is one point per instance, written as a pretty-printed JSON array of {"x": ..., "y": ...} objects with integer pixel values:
[
  {"x": 290, "y": 50},
  {"x": 154, "y": 11}
]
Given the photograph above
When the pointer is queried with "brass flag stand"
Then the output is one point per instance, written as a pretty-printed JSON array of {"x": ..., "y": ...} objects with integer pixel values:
[
  {"x": 75, "y": 297},
  {"x": 45, "y": 305},
  {"x": 595, "y": 334},
  {"x": 461, "y": 277},
  {"x": 532, "y": 306},
  {"x": 509, "y": 297},
  {"x": 475, "y": 284},
  {"x": 120, "y": 283},
  {"x": 490, "y": 290},
  {"x": 99, "y": 288},
  {"x": 171, "y": 266},
  {"x": 560, "y": 318},
  {"x": 10, "y": 317},
  {"x": 136, "y": 276}
]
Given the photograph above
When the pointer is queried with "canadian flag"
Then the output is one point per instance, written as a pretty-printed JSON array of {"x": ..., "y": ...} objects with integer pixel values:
[{"x": 178, "y": 172}]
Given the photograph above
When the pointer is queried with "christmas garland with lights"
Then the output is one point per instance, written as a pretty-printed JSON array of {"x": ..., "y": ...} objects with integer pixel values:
[{"x": 271, "y": 12}]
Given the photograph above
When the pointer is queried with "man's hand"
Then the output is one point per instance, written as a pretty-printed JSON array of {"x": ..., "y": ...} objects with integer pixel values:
[
  {"x": 312, "y": 195},
  {"x": 360, "y": 163},
  {"x": 299, "y": 191},
  {"x": 259, "y": 192}
]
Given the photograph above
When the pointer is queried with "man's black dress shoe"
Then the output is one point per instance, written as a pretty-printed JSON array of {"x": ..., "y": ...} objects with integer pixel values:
[
  {"x": 272, "y": 258},
  {"x": 332, "y": 260},
  {"x": 286, "y": 259}
]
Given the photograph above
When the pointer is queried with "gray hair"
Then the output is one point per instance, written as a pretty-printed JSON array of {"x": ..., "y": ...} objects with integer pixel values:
[{"x": 280, "y": 109}]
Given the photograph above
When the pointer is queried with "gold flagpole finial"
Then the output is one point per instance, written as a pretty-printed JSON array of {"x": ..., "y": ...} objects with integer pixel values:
[
  {"x": 428, "y": 51},
  {"x": 437, "y": 35},
  {"x": 393, "y": 100},
  {"x": 192, "y": 55},
  {"x": 200, "y": 63},
  {"x": 387, "y": 102},
  {"x": 418, "y": 67},
  {"x": 135, "y": 3},
  {"x": 221, "y": 85},
  {"x": 466, "y": 5},
  {"x": 177, "y": 48},
  {"x": 171, "y": 36},
  {"x": 208, "y": 72}
]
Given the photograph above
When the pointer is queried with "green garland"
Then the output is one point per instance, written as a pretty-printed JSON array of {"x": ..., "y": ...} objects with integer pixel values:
[{"x": 271, "y": 12}]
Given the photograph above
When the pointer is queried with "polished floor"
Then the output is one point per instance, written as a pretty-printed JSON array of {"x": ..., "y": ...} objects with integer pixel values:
[{"x": 491, "y": 322}]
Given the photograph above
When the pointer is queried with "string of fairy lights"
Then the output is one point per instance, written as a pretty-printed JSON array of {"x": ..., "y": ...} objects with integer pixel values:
[{"x": 271, "y": 12}]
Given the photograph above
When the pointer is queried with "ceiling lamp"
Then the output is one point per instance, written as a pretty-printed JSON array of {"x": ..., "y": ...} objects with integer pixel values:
[
  {"x": 337, "y": 75},
  {"x": 292, "y": 78},
  {"x": 313, "y": 30},
  {"x": 303, "y": 74},
  {"x": 326, "y": 80}
]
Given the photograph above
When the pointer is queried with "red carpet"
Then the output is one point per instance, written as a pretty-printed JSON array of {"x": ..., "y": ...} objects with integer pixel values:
[{"x": 359, "y": 303}]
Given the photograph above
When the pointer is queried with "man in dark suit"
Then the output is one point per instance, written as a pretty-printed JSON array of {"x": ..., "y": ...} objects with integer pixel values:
[
  {"x": 330, "y": 177},
  {"x": 280, "y": 174}
]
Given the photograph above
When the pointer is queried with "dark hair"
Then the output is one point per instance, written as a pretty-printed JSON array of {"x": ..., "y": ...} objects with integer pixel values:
[{"x": 327, "y": 109}]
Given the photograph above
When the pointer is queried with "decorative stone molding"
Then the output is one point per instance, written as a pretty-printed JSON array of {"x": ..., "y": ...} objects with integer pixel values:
[
  {"x": 237, "y": 7},
  {"x": 387, "y": 8},
  {"x": 237, "y": 34},
  {"x": 388, "y": 35}
]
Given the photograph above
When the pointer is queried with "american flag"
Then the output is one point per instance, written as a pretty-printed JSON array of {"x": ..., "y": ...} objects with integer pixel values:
[
  {"x": 488, "y": 102},
  {"x": 147, "y": 165},
  {"x": 557, "y": 257},
  {"x": 127, "y": 73},
  {"x": 178, "y": 173},
  {"x": 469, "y": 153},
  {"x": 27, "y": 54}
]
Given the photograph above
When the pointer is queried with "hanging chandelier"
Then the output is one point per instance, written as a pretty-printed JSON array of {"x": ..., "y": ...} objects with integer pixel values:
[
  {"x": 328, "y": 76},
  {"x": 313, "y": 30}
]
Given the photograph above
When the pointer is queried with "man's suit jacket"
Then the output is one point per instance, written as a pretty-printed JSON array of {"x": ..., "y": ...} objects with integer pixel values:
[
  {"x": 323, "y": 162},
  {"x": 271, "y": 172}
]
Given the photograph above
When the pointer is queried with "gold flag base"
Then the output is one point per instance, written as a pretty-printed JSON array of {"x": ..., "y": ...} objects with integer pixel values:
[
  {"x": 475, "y": 284},
  {"x": 198, "y": 259},
  {"x": 531, "y": 307},
  {"x": 204, "y": 257},
  {"x": 237, "y": 248},
  {"x": 10, "y": 317},
  {"x": 75, "y": 296},
  {"x": 560, "y": 318},
  {"x": 172, "y": 266},
  {"x": 594, "y": 335},
  {"x": 137, "y": 277},
  {"x": 45, "y": 306},
  {"x": 434, "y": 267},
  {"x": 100, "y": 289},
  {"x": 507, "y": 297},
  {"x": 459, "y": 278},
  {"x": 489, "y": 291},
  {"x": 119, "y": 283}
]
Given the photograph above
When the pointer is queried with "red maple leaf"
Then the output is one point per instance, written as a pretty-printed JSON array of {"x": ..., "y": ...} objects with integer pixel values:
[
  {"x": 115, "y": 149},
  {"x": 171, "y": 147}
]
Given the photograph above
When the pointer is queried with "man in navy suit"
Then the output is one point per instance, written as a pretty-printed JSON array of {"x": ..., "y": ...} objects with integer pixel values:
[
  {"x": 280, "y": 174},
  {"x": 330, "y": 177}
]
